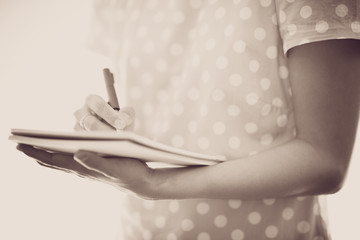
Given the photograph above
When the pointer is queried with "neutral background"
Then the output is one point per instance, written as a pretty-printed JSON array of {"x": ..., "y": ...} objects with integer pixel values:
[{"x": 45, "y": 74}]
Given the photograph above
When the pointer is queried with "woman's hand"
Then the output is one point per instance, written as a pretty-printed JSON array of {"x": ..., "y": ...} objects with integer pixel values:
[
  {"x": 98, "y": 115},
  {"x": 130, "y": 175}
]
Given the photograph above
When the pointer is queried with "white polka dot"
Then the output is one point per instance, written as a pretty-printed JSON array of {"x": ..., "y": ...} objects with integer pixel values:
[
  {"x": 222, "y": 62},
  {"x": 195, "y": 4},
  {"x": 147, "y": 78},
  {"x": 220, "y": 221},
  {"x": 269, "y": 201},
  {"x": 148, "y": 47},
  {"x": 235, "y": 80},
  {"x": 266, "y": 139},
  {"x": 272, "y": 52},
  {"x": 292, "y": 28},
  {"x": 219, "y": 128},
  {"x": 251, "y": 128},
  {"x": 203, "y": 110},
  {"x": 237, "y": 1},
  {"x": 271, "y": 231},
  {"x": 160, "y": 221},
  {"x": 176, "y": 49},
  {"x": 281, "y": 120},
  {"x": 151, "y": 4},
  {"x": 195, "y": 61},
  {"x": 265, "y": 110},
  {"x": 148, "y": 204},
  {"x": 321, "y": 26},
  {"x": 159, "y": 17},
  {"x": 301, "y": 198},
  {"x": 135, "y": 93},
  {"x": 192, "y": 126},
  {"x": 235, "y": 204},
  {"x": 178, "y": 17},
  {"x": 210, "y": 43},
  {"x": 218, "y": 95},
  {"x": 161, "y": 65},
  {"x": 283, "y": 72},
  {"x": 134, "y": 62},
  {"x": 178, "y": 109},
  {"x": 166, "y": 34},
  {"x": 265, "y": 84},
  {"x": 237, "y": 234},
  {"x": 203, "y": 236},
  {"x": 211, "y": 2},
  {"x": 142, "y": 31},
  {"x": 239, "y": 46},
  {"x": 305, "y": 12},
  {"x": 233, "y": 110},
  {"x": 265, "y": 3},
  {"x": 203, "y": 143},
  {"x": 162, "y": 96},
  {"x": 205, "y": 76},
  {"x": 303, "y": 227},
  {"x": 287, "y": 213},
  {"x": 174, "y": 206},
  {"x": 252, "y": 98},
  {"x": 203, "y": 29},
  {"x": 245, "y": 13},
  {"x": 147, "y": 235},
  {"x": 254, "y": 218},
  {"x": 171, "y": 236},
  {"x": 134, "y": 15},
  {"x": 254, "y": 66},
  {"x": 277, "y": 102},
  {"x": 282, "y": 16},
  {"x": 220, "y": 13},
  {"x": 355, "y": 26},
  {"x": 187, "y": 225},
  {"x": 193, "y": 94},
  {"x": 259, "y": 34},
  {"x": 341, "y": 10},
  {"x": 202, "y": 208},
  {"x": 234, "y": 142},
  {"x": 177, "y": 141},
  {"x": 229, "y": 30}
]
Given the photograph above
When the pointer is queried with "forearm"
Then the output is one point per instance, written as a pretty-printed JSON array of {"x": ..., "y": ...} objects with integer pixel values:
[{"x": 292, "y": 169}]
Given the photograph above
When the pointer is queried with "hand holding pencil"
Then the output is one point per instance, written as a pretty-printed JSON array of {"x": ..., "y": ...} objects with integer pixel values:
[{"x": 99, "y": 115}]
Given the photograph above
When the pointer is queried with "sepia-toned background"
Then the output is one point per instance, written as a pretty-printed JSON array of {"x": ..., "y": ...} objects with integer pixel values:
[{"x": 45, "y": 74}]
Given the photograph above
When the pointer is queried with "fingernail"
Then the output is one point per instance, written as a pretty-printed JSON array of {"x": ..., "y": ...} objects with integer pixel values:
[{"x": 120, "y": 124}]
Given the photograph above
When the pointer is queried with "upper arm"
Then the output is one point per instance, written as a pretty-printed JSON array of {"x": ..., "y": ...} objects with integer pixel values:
[{"x": 325, "y": 81}]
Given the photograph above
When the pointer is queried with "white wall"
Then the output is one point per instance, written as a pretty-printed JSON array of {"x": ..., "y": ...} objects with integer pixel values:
[{"x": 45, "y": 73}]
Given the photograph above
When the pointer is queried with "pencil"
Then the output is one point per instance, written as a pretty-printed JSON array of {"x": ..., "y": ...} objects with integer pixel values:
[{"x": 109, "y": 82}]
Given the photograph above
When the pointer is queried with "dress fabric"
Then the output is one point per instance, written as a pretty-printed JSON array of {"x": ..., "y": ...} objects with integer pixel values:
[{"x": 211, "y": 77}]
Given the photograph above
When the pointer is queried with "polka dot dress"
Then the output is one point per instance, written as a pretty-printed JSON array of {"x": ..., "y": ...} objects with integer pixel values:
[{"x": 211, "y": 77}]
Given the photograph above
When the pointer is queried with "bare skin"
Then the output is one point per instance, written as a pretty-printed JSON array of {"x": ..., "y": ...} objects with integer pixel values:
[{"x": 326, "y": 94}]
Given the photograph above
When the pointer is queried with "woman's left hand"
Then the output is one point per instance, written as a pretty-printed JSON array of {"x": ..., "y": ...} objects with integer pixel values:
[{"x": 130, "y": 175}]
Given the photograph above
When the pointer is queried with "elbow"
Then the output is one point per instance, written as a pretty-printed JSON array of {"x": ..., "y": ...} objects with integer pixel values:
[{"x": 332, "y": 179}]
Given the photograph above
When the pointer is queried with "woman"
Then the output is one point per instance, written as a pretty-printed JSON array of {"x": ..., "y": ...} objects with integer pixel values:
[{"x": 272, "y": 85}]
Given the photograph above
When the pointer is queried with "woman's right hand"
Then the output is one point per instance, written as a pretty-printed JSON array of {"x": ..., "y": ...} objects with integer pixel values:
[{"x": 98, "y": 115}]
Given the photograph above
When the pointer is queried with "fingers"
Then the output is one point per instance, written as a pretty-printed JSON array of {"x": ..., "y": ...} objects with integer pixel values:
[
  {"x": 96, "y": 111},
  {"x": 95, "y": 163},
  {"x": 60, "y": 161}
]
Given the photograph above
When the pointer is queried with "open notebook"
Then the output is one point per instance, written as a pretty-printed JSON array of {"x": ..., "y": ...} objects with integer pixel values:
[{"x": 118, "y": 144}]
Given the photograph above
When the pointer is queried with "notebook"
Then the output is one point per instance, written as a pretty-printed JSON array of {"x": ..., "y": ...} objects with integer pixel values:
[{"x": 112, "y": 144}]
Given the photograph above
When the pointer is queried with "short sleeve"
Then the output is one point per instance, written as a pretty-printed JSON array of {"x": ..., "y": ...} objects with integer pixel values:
[
  {"x": 105, "y": 26},
  {"x": 305, "y": 21}
]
